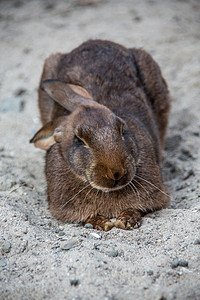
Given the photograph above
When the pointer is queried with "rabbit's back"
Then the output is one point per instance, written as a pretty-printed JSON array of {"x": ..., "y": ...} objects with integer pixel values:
[
  {"x": 127, "y": 81},
  {"x": 101, "y": 67}
]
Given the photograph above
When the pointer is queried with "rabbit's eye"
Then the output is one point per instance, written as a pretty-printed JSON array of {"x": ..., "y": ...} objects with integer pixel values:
[
  {"x": 78, "y": 141},
  {"x": 122, "y": 130}
]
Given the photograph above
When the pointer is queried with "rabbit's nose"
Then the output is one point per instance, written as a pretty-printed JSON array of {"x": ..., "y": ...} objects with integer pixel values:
[{"x": 115, "y": 174}]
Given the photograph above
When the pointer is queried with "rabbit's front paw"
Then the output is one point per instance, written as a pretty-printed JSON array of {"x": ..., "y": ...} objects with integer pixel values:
[
  {"x": 128, "y": 219},
  {"x": 100, "y": 223}
]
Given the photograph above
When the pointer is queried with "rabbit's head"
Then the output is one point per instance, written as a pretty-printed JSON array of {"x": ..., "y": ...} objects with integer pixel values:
[{"x": 94, "y": 142}]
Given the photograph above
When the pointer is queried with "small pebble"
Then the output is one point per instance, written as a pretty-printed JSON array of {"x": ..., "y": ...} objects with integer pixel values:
[
  {"x": 24, "y": 246},
  {"x": 145, "y": 287},
  {"x": 197, "y": 242},
  {"x": 113, "y": 253},
  {"x": 25, "y": 231},
  {"x": 2, "y": 263},
  {"x": 196, "y": 133},
  {"x": 150, "y": 272},
  {"x": 6, "y": 247},
  {"x": 61, "y": 233},
  {"x": 170, "y": 272},
  {"x": 96, "y": 246},
  {"x": 74, "y": 282},
  {"x": 26, "y": 217},
  {"x": 188, "y": 174},
  {"x": 180, "y": 187},
  {"x": 89, "y": 226},
  {"x": 179, "y": 263},
  {"x": 180, "y": 273},
  {"x": 69, "y": 245},
  {"x": 97, "y": 236},
  {"x": 20, "y": 91},
  {"x": 57, "y": 230},
  {"x": 186, "y": 151}
]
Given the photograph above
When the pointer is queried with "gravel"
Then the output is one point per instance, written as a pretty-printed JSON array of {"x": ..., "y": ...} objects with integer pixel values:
[
  {"x": 113, "y": 253},
  {"x": 2, "y": 263},
  {"x": 74, "y": 282},
  {"x": 197, "y": 242},
  {"x": 69, "y": 245},
  {"x": 6, "y": 247},
  {"x": 89, "y": 226},
  {"x": 42, "y": 258},
  {"x": 179, "y": 263}
]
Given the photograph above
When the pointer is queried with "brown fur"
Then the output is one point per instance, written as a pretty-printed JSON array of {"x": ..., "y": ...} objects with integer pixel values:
[{"x": 105, "y": 112}]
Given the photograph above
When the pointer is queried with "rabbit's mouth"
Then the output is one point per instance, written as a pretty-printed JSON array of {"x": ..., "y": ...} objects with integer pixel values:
[
  {"x": 111, "y": 189},
  {"x": 110, "y": 179},
  {"x": 106, "y": 184}
]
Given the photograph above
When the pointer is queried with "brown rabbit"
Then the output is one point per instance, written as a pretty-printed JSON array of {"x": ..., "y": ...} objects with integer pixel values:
[{"x": 105, "y": 111}]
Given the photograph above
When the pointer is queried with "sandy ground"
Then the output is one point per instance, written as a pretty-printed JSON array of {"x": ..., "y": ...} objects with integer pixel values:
[{"x": 41, "y": 258}]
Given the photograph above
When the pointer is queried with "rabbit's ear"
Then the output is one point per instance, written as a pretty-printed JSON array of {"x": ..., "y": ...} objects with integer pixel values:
[
  {"x": 80, "y": 91},
  {"x": 69, "y": 96},
  {"x": 48, "y": 135}
]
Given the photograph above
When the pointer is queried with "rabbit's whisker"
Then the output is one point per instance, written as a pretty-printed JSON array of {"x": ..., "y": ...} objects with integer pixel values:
[
  {"x": 147, "y": 192},
  {"x": 88, "y": 193},
  {"x": 134, "y": 189},
  {"x": 150, "y": 183},
  {"x": 76, "y": 187},
  {"x": 98, "y": 201},
  {"x": 141, "y": 186},
  {"x": 96, "y": 196},
  {"x": 137, "y": 194},
  {"x": 75, "y": 196}
]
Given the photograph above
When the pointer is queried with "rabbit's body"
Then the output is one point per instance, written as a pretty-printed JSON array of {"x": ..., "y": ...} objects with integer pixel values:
[{"x": 105, "y": 111}]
